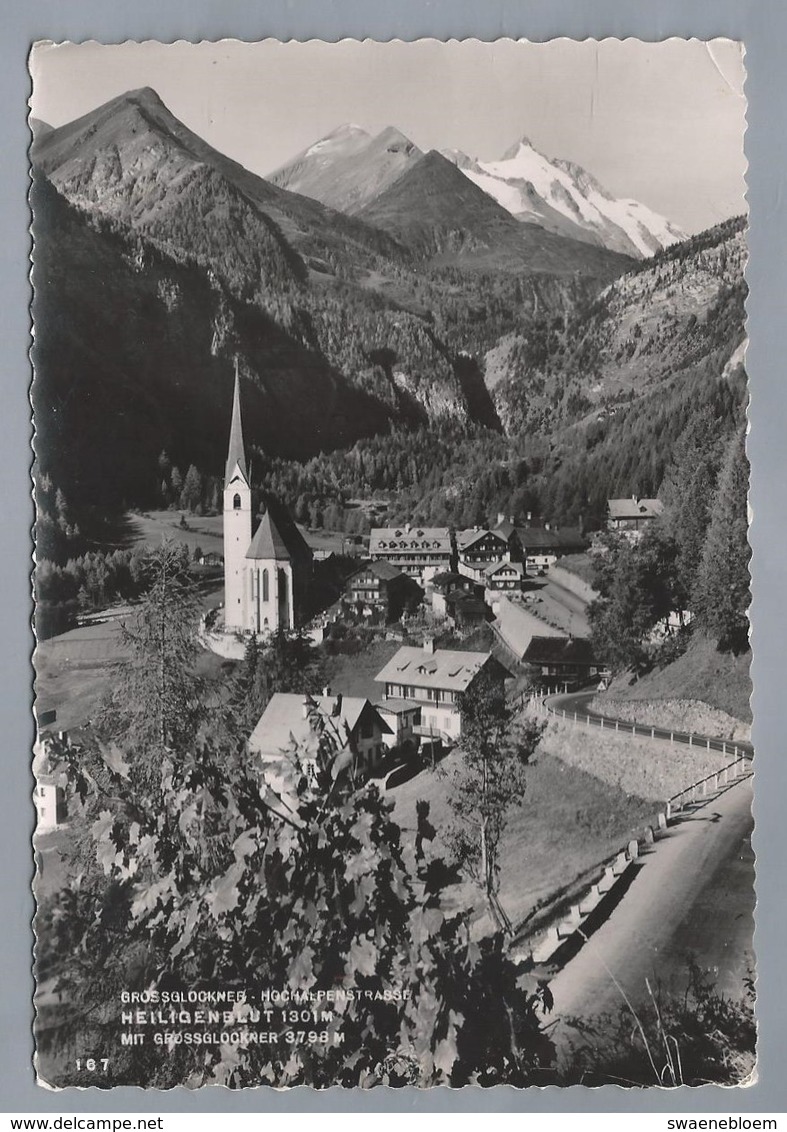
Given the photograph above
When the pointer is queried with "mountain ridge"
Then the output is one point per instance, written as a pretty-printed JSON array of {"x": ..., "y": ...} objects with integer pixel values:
[
  {"x": 344, "y": 174},
  {"x": 564, "y": 197},
  {"x": 435, "y": 208}
]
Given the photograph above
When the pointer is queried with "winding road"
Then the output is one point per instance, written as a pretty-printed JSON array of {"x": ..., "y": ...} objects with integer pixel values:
[
  {"x": 691, "y": 893},
  {"x": 578, "y": 703}
]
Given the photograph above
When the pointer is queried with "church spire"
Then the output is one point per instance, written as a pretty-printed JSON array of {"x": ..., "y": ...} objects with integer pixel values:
[{"x": 236, "y": 455}]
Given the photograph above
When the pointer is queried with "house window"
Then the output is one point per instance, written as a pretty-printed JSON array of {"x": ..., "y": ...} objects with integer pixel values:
[
  {"x": 236, "y": 502},
  {"x": 264, "y": 585}
]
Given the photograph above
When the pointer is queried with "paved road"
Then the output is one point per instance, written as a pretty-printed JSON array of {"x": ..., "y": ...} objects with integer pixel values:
[
  {"x": 693, "y": 891},
  {"x": 578, "y": 702}
]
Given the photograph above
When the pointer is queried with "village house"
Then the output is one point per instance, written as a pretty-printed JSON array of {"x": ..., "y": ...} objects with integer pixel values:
[
  {"x": 477, "y": 549},
  {"x": 403, "y": 718},
  {"x": 504, "y": 577},
  {"x": 434, "y": 679},
  {"x": 420, "y": 552},
  {"x": 465, "y": 612},
  {"x": 380, "y": 589},
  {"x": 562, "y": 659},
  {"x": 49, "y": 795},
  {"x": 632, "y": 515},
  {"x": 212, "y": 558},
  {"x": 287, "y": 724},
  {"x": 506, "y": 529},
  {"x": 446, "y": 583},
  {"x": 542, "y": 546}
]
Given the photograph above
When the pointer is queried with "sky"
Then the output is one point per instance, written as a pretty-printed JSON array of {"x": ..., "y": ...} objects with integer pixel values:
[{"x": 662, "y": 123}]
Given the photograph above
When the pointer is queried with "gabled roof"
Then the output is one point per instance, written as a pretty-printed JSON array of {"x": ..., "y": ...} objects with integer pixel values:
[
  {"x": 559, "y": 650},
  {"x": 539, "y": 538},
  {"x": 634, "y": 508},
  {"x": 508, "y": 567},
  {"x": 397, "y": 539},
  {"x": 380, "y": 568},
  {"x": 236, "y": 457},
  {"x": 277, "y": 537},
  {"x": 444, "y": 668},
  {"x": 504, "y": 530},
  {"x": 286, "y": 720},
  {"x": 449, "y": 579},
  {"x": 468, "y": 538}
]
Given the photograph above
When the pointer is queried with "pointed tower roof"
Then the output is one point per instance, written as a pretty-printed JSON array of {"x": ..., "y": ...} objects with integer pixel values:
[
  {"x": 277, "y": 537},
  {"x": 236, "y": 455}
]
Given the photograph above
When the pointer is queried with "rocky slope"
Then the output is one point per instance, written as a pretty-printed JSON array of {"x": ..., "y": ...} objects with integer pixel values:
[
  {"x": 348, "y": 168},
  {"x": 680, "y": 310},
  {"x": 434, "y": 209}
]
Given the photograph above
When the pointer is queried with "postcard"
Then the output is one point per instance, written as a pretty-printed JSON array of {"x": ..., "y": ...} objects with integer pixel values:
[{"x": 392, "y": 564}]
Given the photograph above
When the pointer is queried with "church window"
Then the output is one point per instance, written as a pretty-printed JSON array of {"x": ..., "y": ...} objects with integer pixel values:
[
  {"x": 236, "y": 502},
  {"x": 264, "y": 585}
]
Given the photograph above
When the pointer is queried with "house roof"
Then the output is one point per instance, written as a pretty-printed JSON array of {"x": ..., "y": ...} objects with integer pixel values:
[
  {"x": 468, "y": 538},
  {"x": 559, "y": 650},
  {"x": 508, "y": 567},
  {"x": 448, "y": 579},
  {"x": 539, "y": 538},
  {"x": 285, "y": 720},
  {"x": 634, "y": 508},
  {"x": 236, "y": 457},
  {"x": 444, "y": 668},
  {"x": 504, "y": 530},
  {"x": 381, "y": 569},
  {"x": 398, "y": 706},
  {"x": 406, "y": 537},
  {"x": 277, "y": 537}
]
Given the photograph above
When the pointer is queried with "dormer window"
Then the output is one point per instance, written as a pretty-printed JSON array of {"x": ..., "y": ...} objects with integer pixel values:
[{"x": 236, "y": 502}]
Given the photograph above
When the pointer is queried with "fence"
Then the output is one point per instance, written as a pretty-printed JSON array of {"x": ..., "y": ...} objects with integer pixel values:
[
  {"x": 544, "y": 948},
  {"x": 701, "y": 789},
  {"x": 605, "y": 723}
]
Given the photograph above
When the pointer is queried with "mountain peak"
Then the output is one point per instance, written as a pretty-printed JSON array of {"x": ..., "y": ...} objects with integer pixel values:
[
  {"x": 348, "y": 167},
  {"x": 513, "y": 150},
  {"x": 394, "y": 141},
  {"x": 562, "y": 197},
  {"x": 144, "y": 96},
  {"x": 348, "y": 138}
]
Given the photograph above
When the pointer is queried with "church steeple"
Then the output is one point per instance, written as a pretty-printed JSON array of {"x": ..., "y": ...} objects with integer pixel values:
[{"x": 236, "y": 456}]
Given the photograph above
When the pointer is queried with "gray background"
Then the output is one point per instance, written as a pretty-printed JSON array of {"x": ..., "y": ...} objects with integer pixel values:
[{"x": 762, "y": 24}]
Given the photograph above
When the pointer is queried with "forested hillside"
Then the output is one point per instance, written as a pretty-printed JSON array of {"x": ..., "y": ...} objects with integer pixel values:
[
  {"x": 413, "y": 363},
  {"x": 672, "y": 315}
]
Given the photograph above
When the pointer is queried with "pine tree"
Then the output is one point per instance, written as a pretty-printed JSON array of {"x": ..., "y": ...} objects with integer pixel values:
[
  {"x": 191, "y": 494},
  {"x": 489, "y": 781},
  {"x": 157, "y": 702},
  {"x": 176, "y": 484},
  {"x": 722, "y": 593},
  {"x": 688, "y": 493}
]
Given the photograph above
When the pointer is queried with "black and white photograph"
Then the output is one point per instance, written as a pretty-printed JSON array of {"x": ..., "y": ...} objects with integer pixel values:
[{"x": 392, "y": 667}]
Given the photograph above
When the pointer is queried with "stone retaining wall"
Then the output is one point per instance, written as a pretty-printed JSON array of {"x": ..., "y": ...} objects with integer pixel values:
[{"x": 691, "y": 716}]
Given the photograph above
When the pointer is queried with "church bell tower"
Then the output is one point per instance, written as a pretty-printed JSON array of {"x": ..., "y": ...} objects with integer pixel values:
[{"x": 237, "y": 523}]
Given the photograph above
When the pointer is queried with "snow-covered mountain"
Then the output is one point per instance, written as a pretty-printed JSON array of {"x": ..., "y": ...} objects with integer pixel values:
[
  {"x": 563, "y": 197},
  {"x": 348, "y": 168}
]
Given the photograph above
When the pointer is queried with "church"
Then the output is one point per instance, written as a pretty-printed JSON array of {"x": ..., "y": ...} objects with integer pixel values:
[{"x": 266, "y": 578}]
